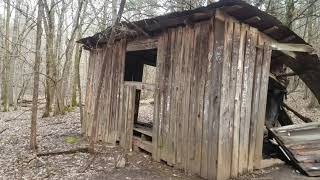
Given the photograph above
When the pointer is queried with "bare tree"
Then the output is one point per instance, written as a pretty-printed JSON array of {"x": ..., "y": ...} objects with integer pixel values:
[
  {"x": 14, "y": 57},
  {"x": 51, "y": 65},
  {"x": 33, "y": 140},
  {"x": 63, "y": 84},
  {"x": 6, "y": 61}
]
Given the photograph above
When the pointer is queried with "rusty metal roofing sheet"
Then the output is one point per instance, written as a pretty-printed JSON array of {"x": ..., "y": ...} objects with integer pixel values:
[{"x": 301, "y": 144}]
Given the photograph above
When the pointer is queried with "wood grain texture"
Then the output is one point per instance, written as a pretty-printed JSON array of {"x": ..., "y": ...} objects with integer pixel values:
[
  {"x": 210, "y": 95},
  {"x": 225, "y": 138},
  {"x": 235, "y": 85}
]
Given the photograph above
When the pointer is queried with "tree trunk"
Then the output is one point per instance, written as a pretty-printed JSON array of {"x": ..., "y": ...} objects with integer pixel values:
[
  {"x": 313, "y": 103},
  {"x": 14, "y": 57},
  {"x": 63, "y": 84},
  {"x": 33, "y": 140},
  {"x": 6, "y": 65},
  {"x": 76, "y": 76},
  {"x": 51, "y": 66},
  {"x": 114, "y": 11}
]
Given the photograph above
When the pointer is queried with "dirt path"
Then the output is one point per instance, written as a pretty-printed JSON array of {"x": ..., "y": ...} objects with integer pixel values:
[
  {"x": 63, "y": 133},
  {"x": 282, "y": 172}
]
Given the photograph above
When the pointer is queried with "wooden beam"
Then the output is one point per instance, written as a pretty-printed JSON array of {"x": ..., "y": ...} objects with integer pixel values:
[
  {"x": 252, "y": 20},
  {"x": 288, "y": 74},
  {"x": 292, "y": 47},
  {"x": 271, "y": 29},
  {"x": 142, "y": 44},
  {"x": 140, "y": 85}
]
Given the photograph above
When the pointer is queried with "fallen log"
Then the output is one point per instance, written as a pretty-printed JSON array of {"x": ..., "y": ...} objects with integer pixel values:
[
  {"x": 303, "y": 118},
  {"x": 72, "y": 151}
]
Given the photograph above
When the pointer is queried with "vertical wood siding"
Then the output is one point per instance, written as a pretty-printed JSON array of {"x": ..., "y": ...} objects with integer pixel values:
[
  {"x": 111, "y": 96},
  {"x": 211, "y": 91},
  {"x": 210, "y": 97}
]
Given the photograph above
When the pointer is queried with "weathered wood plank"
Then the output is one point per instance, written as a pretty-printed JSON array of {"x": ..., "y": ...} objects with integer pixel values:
[
  {"x": 224, "y": 149},
  {"x": 243, "y": 143},
  {"x": 158, "y": 107},
  {"x": 262, "y": 103},
  {"x": 192, "y": 103},
  {"x": 186, "y": 96},
  {"x": 130, "y": 120},
  {"x": 170, "y": 139},
  {"x": 204, "y": 49},
  {"x": 140, "y": 85},
  {"x": 251, "y": 60},
  {"x": 179, "y": 92},
  {"x": 215, "y": 98},
  {"x": 237, "y": 66},
  {"x": 292, "y": 47},
  {"x": 206, "y": 101},
  {"x": 255, "y": 104},
  {"x": 164, "y": 93},
  {"x": 142, "y": 44},
  {"x": 124, "y": 112},
  {"x": 107, "y": 92},
  {"x": 120, "y": 88},
  {"x": 198, "y": 79}
]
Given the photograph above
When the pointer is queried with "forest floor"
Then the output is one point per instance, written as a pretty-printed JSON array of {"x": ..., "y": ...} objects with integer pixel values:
[{"x": 62, "y": 133}]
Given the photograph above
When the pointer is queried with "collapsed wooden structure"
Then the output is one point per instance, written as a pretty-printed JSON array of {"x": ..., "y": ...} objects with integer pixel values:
[
  {"x": 212, "y": 70},
  {"x": 301, "y": 144}
]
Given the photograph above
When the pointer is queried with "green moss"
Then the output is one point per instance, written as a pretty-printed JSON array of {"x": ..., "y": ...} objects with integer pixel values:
[
  {"x": 69, "y": 109},
  {"x": 71, "y": 139}
]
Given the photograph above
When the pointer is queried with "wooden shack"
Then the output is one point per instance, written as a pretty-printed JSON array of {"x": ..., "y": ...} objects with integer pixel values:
[{"x": 212, "y": 71}]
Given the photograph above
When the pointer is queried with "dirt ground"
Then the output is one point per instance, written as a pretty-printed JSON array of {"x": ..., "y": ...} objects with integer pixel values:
[
  {"x": 282, "y": 172},
  {"x": 63, "y": 133},
  {"x": 295, "y": 101}
]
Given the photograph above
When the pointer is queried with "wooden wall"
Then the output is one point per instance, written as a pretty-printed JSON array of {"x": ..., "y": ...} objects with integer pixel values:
[
  {"x": 211, "y": 97},
  {"x": 111, "y": 96}
]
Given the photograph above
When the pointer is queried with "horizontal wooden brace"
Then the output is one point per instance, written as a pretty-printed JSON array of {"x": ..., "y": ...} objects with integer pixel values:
[
  {"x": 140, "y": 85},
  {"x": 271, "y": 29},
  {"x": 142, "y": 44},
  {"x": 292, "y": 47},
  {"x": 288, "y": 48},
  {"x": 253, "y": 19}
]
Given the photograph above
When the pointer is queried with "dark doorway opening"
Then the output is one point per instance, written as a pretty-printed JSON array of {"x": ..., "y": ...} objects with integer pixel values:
[{"x": 140, "y": 70}]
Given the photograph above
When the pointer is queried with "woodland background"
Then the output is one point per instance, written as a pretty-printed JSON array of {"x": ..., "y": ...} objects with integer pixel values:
[{"x": 62, "y": 66}]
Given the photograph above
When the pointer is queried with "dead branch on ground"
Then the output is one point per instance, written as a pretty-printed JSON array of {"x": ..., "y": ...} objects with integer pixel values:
[
  {"x": 15, "y": 118},
  {"x": 55, "y": 153},
  {"x": 3, "y": 130},
  {"x": 91, "y": 160},
  {"x": 303, "y": 118}
]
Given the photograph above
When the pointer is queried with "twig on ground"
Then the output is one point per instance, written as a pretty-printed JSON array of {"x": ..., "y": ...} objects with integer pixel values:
[
  {"x": 56, "y": 123},
  {"x": 303, "y": 118},
  {"x": 3, "y": 130},
  {"x": 72, "y": 151},
  {"x": 15, "y": 118},
  {"x": 91, "y": 160}
]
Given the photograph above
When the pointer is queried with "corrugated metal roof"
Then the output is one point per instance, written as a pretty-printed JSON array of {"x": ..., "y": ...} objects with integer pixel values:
[
  {"x": 301, "y": 144},
  {"x": 240, "y": 10}
]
